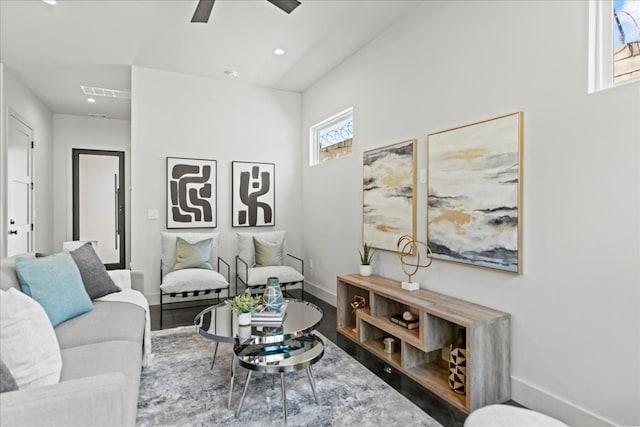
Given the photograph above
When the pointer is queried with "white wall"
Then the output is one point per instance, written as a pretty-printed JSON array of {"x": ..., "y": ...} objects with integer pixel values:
[
  {"x": 93, "y": 134},
  {"x": 575, "y": 307},
  {"x": 18, "y": 98},
  {"x": 175, "y": 115}
]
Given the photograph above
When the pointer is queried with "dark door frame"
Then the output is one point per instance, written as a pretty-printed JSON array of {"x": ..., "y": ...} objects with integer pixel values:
[{"x": 75, "y": 154}]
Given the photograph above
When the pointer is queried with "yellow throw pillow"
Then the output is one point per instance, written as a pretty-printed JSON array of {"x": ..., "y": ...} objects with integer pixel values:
[
  {"x": 193, "y": 255},
  {"x": 268, "y": 252}
]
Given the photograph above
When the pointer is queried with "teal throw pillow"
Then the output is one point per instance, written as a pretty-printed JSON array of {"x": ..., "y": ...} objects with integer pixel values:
[
  {"x": 193, "y": 255},
  {"x": 268, "y": 252},
  {"x": 56, "y": 284}
]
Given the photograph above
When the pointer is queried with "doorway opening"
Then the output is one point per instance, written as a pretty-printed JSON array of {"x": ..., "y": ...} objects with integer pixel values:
[
  {"x": 98, "y": 203},
  {"x": 19, "y": 177}
]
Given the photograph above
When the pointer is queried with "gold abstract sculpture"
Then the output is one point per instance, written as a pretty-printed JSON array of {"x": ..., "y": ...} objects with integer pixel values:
[
  {"x": 358, "y": 302},
  {"x": 409, "y": 247}
]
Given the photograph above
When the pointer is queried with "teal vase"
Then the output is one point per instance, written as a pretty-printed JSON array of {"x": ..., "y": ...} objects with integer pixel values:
[{"x": 272, "y": 296}]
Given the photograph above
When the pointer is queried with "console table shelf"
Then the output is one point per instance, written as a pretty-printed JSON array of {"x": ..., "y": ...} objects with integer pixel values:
[{"x": 422, "y": 353}]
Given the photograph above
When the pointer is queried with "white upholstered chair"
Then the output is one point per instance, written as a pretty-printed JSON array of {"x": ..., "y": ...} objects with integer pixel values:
[
  {"x": 264, "y": 255},
  {"x": 190, "y": 266}
]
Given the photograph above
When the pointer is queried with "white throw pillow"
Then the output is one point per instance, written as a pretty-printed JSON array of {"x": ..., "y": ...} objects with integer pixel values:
[
  {"x": 28, "y": 343},
  {"x": 246, "y": 248},
  {"x": 169, "y": 247},
  {"x": 193, "y": 279}
]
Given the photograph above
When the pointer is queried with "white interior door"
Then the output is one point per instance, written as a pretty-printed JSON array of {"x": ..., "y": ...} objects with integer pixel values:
[
  {"x": 99, "y": 203},
  {"x": 19, "y": 178}
]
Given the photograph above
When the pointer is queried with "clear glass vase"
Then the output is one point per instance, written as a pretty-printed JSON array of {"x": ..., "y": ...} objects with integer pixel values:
[{"x": 272, "y": 296}]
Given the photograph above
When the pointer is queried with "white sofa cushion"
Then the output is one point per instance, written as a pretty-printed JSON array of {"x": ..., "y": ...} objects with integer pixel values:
[
  {"x": 28, "y": 344},
  {"x": 284, "y": 273},
  {"x": 169, "y": 247},
  {"x": 193, "y": 279}
]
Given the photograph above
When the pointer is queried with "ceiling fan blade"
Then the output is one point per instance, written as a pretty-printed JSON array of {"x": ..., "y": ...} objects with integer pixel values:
[
  {"x": 286, "y": 5},
  {"x": 203, "y": 11}
]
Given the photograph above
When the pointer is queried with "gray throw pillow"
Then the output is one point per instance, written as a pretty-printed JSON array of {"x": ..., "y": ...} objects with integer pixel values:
[
  {"x": 7, "y": 382},
  {"x": 95, "y": 278}
]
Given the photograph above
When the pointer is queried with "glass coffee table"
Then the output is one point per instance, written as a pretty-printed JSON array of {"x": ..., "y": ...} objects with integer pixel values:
[
  {"x": 280, "y": 358},
  {"x": 219, "y": 324}
]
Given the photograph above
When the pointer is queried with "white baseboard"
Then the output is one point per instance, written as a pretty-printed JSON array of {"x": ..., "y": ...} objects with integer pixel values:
[
  {"x": 547, "y": 403},
  {"x": 320, "y": 292}
]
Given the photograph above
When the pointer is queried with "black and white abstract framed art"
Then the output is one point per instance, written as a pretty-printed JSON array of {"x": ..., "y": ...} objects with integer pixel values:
[
  {"x": 253, "y": 201},
  {"x": 191, "y": 193}
]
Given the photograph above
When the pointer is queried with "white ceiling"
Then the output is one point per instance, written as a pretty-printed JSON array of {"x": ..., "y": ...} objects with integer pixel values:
[{"x": 55, "y": 49}]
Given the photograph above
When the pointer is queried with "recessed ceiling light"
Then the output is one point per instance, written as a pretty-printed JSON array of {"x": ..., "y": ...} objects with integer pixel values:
[
  {"x": 91, "y": 100},
  {"x": 230, "y": 73},
  {"x": 50, "y": 2},
  {"x": 278, "y": 51}
]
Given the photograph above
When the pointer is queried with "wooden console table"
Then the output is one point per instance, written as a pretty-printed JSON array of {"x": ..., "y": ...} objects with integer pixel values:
[{"x": 423, "y": 353}]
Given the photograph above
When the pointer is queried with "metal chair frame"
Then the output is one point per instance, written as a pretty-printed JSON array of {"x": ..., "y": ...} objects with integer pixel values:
[
  {"x": 194, "y": 293},
  {"x": 283, "y": 285}
]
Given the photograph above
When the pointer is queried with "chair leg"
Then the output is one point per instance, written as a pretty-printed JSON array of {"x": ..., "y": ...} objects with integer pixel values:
[
  {"x": 284, "y": 397},
  {"x": 244, "y": 392},
  {"x": 233, "y": 375},
  {"x": 215, "y": 352},
  {"x": 161, "y": 309},
  {"x": 313, "y": 384}
]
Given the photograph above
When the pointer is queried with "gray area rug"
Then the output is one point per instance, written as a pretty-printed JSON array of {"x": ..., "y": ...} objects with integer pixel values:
[{"x": 179, "y": 389}]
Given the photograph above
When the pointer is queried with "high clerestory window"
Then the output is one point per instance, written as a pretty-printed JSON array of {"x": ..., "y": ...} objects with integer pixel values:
[
  {"x": 331, "y": 138},
  {"x": 614, "y": 43}
]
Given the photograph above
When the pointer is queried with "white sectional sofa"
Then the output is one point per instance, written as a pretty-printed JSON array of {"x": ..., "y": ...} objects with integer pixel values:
[{"x": 102, "y": 352}]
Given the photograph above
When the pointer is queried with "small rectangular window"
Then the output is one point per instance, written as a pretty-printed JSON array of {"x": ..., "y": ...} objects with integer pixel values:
[
  {"x": 332, "y": 138},
  {"x": 626, "y": 40},
  {"x": 614, "y": 43}
]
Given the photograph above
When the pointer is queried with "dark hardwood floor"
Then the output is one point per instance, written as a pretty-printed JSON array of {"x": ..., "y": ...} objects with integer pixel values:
[{"x": 427, "y": 401}]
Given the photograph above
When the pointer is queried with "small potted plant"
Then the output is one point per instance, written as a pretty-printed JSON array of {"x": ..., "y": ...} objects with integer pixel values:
[
  {"x": 366, "y": 256},
  {"x": 243, "y": 305}
]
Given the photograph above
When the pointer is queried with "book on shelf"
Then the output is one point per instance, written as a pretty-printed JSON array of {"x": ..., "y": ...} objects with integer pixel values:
[
  {"x": 409, "y": 324},
  {"x": 265, "y": 316}
]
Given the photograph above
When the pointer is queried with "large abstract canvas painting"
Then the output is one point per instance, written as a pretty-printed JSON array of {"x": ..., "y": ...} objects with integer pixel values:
[
  {"x": 191, "y": 193},
  {"x": 388, "y": 202},
  {"x": 253, "y": 200},
  {"x": 475, "y": 191}
]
